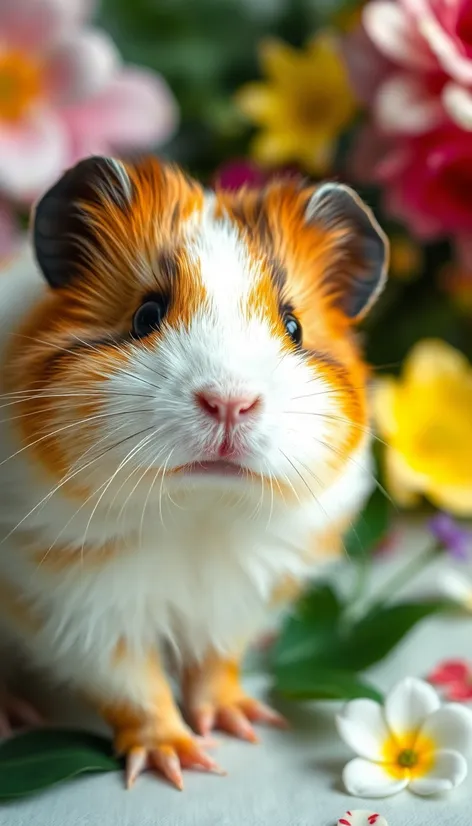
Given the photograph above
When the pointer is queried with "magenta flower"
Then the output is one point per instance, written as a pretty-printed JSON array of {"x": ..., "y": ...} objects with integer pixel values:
[
  {"x": 64, "y": 94},
  {"x": 242, "y": 172},
  {"x": 455, "y": 679},
  {"x": 454, "y": 538}
]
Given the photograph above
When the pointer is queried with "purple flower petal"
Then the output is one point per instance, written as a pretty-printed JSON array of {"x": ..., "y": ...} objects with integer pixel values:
[{"x": 456, "y": 539}]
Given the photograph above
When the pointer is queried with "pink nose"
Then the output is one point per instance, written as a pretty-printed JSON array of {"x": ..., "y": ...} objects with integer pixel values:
[{"x": 230, "y": 411}]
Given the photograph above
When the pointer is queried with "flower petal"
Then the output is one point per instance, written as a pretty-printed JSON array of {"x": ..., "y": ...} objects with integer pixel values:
[
  {"x": 430, "y": 358},
  {"x": 450, "y": 727},
  {"x": 404, "y": 104},
  {"x": 362, "y": 726},
  {"x": 81, "y": 65},
  {"x": 457, "y": 500},
  {"x": 136, "y": 110},
  {"x": 457, "y": 102},
  {"x": 390, "y": 28},
  {"x": 32, "y": 155},
  {"x": 364, "y": 779},
  {"x": 404, "y": 484},
  {"x": 33, "y": 25},
  {"x": 450, "y": 671},
  {"x": 408, "y": 705},
  {"x": 449, "y": 771}
]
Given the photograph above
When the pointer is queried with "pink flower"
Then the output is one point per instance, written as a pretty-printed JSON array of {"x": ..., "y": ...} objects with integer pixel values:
[
  {"x": 427, "y": 179},
  {"x": 64, "y": 94},
  {"x": 416, "y": 71},
  {"x": 455, "y": 677}
]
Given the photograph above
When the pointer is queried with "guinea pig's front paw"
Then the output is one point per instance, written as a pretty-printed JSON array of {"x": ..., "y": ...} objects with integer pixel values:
[
  {"x": 165, "y": 749},
  {"x": 215, "y": 699}
]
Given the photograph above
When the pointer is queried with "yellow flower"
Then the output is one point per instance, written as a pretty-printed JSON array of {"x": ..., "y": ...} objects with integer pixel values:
[
  {"x": 426, "y": 419},
  {"x": 302, "y": 107}
]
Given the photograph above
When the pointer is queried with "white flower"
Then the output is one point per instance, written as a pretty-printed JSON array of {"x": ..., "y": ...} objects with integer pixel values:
[
  {"x": 457, "y": 587},
  {"x": 412, "y": 741}
]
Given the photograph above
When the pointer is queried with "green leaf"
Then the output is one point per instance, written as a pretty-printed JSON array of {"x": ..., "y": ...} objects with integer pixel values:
[
  {"x": 373, "y": 636},
  {"x": 41, "y": 758},
  {"x": 308, "y": 682},
  {"x": 310, "y": 629},
  {"x": 370, "y": 528},
  {"x": 311, "y": 653}
]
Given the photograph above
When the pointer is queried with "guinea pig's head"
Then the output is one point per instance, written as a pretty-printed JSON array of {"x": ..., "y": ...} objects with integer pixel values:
[{"x": 194, "y": 337}]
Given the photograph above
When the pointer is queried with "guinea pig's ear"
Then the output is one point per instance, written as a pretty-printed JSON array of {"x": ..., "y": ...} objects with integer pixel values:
[
  {"x": 62, "y": 228},
  {"x": 358, "y": 248}
]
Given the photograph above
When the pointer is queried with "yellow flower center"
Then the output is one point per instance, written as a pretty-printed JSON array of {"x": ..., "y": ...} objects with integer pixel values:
[
  {"x": 410, "y": 755},
  {"x": 20, "y": 84}
]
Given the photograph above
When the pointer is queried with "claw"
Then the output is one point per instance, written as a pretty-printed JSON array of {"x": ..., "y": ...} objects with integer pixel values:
[
  {"x": 136, "y": 762},
  {"x": 204, "y": 721},
  {"x": 232, "y": 720},
  {"x": 258, "y": 712},
  {"x": 165, "y": 759}
]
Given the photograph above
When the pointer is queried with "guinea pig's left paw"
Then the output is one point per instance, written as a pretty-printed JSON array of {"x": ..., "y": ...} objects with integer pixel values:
[{"x": 215, "y": 699}]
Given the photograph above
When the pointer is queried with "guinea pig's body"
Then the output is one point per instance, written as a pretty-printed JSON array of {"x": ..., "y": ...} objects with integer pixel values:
[{"x": 184, "y": 435}]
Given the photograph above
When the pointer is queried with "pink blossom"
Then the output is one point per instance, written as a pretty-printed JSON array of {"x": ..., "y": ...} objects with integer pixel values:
[
  {"x": 416, "y": 69},
  {"x": 426, "y": 179},
  {"x": 455, "y": 678},
  {"x": 64, "y": 94}
]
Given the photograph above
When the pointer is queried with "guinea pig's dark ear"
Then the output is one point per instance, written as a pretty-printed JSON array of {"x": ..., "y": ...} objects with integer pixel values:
[
  {"x": 358, "y": 248},
  {"x": 61, "y": 227}
]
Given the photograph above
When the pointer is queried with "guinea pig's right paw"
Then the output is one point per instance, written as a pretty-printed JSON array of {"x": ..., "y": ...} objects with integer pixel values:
[
  {"x": 16, "y": 713},
  {"x": 168, "y": 752}
]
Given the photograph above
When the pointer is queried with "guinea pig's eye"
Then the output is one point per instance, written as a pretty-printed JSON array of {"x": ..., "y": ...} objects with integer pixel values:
[
  {"x": 293, "y": 327},
  {"x": 148, "y": 318}
]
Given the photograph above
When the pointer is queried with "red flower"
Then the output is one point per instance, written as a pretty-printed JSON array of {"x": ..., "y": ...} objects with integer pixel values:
[{"x": 455, "y": 678}]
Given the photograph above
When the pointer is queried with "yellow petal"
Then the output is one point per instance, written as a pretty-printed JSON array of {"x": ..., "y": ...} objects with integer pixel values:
[
  {"x": 260, "y": 103},
  {"x": 431, "y": 358},
  {"x": 324, "y": 56},
  {"x": 404, "y": 485},
  {"x": 278, "y": 60},
  {"x": 457, "y": 500},
  {"x": 384, "y": 406},
  {"x": 315, "y": 152},
  {"x": 272, "y": 148}
]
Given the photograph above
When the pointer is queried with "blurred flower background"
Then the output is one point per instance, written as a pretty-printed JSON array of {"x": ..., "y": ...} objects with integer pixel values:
[{"x": 377, "y": 94}]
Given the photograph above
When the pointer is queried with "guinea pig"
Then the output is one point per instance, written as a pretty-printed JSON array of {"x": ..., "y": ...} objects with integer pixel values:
[{"x": 185, "y": 434}]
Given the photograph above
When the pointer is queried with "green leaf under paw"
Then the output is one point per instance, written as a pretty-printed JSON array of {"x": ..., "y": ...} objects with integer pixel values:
[{"x": 41, "y": 758}]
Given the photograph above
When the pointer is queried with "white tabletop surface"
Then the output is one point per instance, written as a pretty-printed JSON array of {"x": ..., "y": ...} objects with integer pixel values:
[{"x": 291, "y": 779}]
